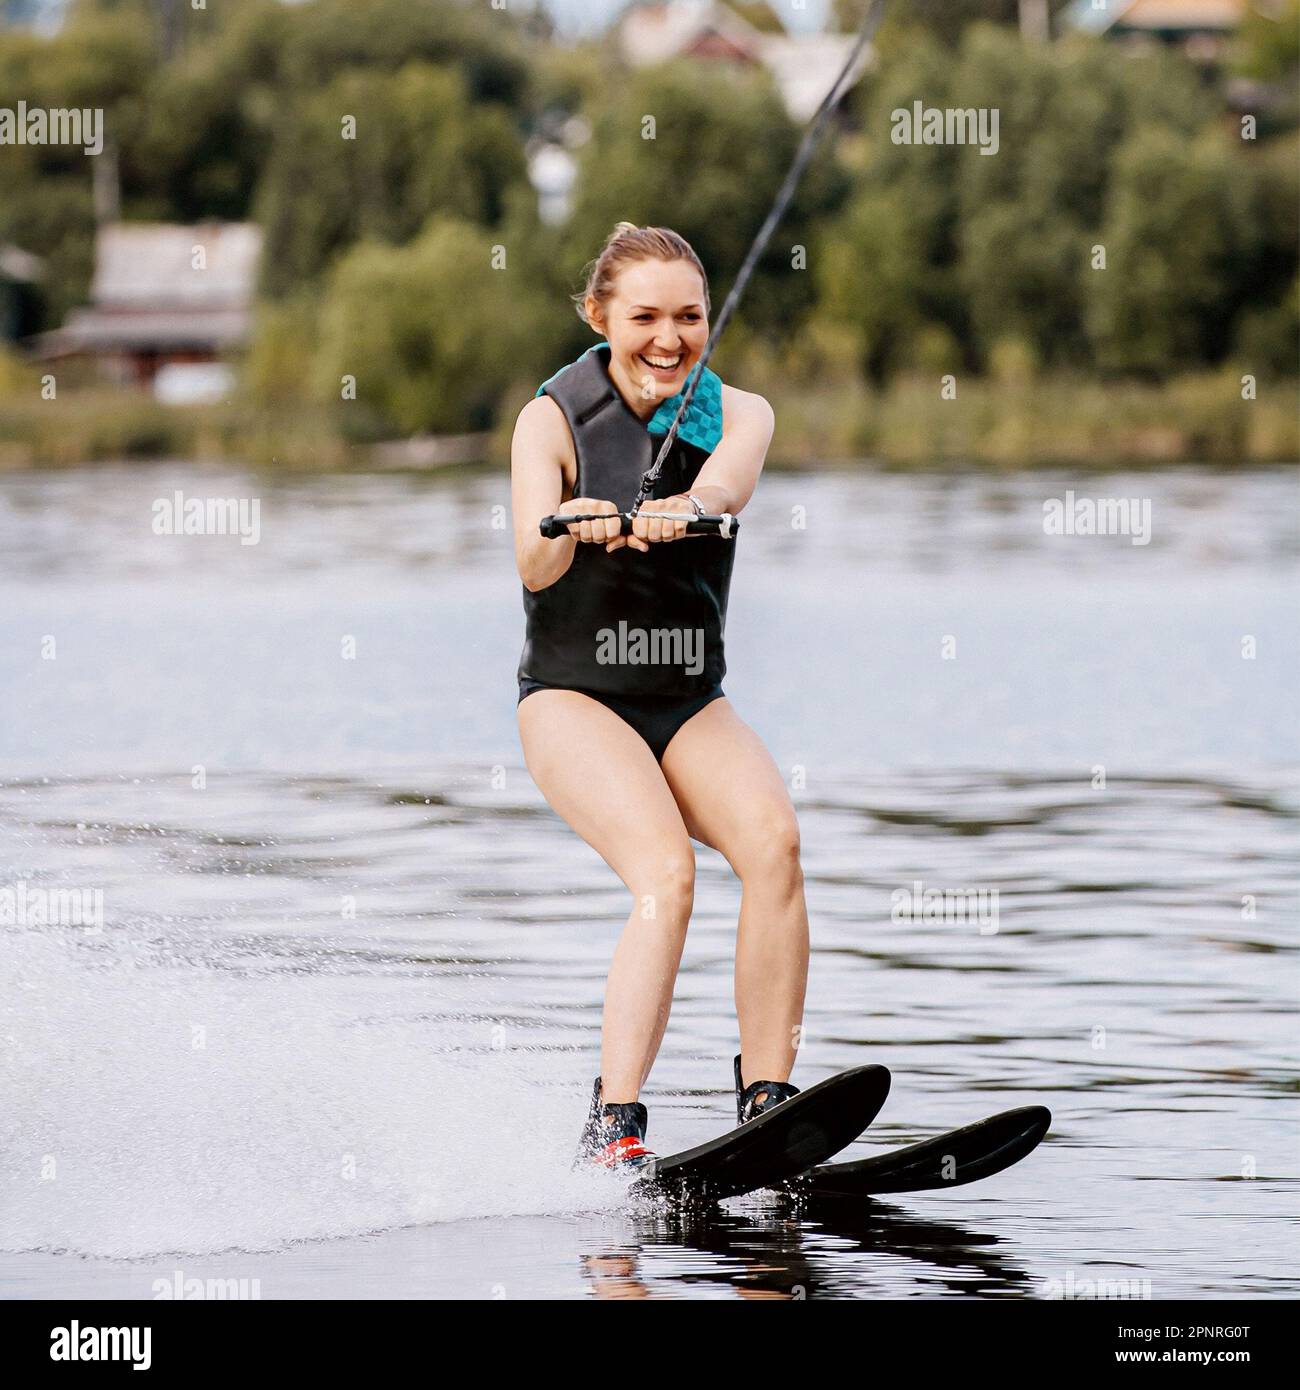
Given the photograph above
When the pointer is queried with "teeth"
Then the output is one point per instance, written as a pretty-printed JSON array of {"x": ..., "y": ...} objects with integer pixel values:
[{"x": 664, "y": 362}]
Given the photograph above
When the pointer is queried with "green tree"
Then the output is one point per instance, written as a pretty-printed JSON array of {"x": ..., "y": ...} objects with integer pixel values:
[
  {"x": 945, "y": 19},
  {"x": 419, "y": 147},
  {"x": 329, "y": 37},
  {"x": 97, "y": 62},
  {"x": 945, "y": 244},
  {"x": 1268, "y": 43},
  {"x": 1180, "y": 239},
  {"x": 886, "y": 270},
  {"x": 1029, "y": 213},
  {"x": 433, "y": 333},
  {"x": 1268, "y": 335},
  {"x": 202, "y": 143}
]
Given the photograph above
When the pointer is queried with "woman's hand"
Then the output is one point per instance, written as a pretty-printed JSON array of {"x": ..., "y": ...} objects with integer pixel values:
[
  {"x": 607, "y": 530},
  {"x": 608, "y": 527},
  {"x": 650, "y": 524},
  {"x": 658, "y": 523}
]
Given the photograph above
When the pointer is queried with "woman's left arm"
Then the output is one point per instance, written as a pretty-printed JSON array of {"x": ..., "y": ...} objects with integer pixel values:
[{"x": 729, "y": 476}]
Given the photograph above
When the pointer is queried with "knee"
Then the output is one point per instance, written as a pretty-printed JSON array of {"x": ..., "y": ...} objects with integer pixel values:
[
  {"x": 667, "y": 892},
  {"x": 773, "y": 853},
  {"x": 783, "y": 840}
]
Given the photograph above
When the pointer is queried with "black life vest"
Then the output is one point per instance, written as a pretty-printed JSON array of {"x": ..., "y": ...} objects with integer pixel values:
[{"x": 627, "y": 623}]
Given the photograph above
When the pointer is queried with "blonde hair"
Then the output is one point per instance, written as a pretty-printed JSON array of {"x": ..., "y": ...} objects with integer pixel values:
[{"x": 626, "y": 245}]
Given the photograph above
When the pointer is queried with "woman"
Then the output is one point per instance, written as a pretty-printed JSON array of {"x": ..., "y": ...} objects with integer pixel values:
[{"x": 621, "y": 713}]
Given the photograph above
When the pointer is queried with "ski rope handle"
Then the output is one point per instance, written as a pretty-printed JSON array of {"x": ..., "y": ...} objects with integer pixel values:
[{"x": 725, "y": 525}]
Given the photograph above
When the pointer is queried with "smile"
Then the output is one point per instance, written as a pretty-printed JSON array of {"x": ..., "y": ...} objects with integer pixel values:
[{"x": 662, "y": 364}]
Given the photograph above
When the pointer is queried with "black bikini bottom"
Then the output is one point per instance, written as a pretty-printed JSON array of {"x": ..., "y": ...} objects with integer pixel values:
[{"x": 655, "y": 717}]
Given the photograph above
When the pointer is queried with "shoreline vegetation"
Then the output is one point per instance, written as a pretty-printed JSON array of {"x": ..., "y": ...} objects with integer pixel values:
[
  {"x": 1118, "y": 282},
  {"x": 1001, "y": 425}
]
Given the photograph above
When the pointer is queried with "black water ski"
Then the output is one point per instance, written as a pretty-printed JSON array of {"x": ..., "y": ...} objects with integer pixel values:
[
  {"x": 977, "y": 1151},
  {"x": 784, "y": 1141}
]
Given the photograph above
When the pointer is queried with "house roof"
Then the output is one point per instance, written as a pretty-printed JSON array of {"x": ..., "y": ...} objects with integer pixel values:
[
  {"x": 148, "y": 296},
  {"x": 806, "y": 66},
  {"x": 803, "y": 65},
  {"x": 659, "y": 32},
  {"x": 133, "y": 330},
  {"x": 146, "y": 265}
]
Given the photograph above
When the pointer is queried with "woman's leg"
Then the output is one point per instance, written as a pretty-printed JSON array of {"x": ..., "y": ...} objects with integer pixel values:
[
  {"x": 598, "y": 774},
  {"x": 731, "y": 797}
]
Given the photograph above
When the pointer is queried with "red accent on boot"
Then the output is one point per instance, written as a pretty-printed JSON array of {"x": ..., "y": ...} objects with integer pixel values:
[{"x": 623, "y": 1150}]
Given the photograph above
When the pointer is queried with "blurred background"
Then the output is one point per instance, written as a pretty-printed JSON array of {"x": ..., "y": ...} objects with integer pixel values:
[
  {"x": 406, "y": 193},
  {"x": 320, "y": 255}
]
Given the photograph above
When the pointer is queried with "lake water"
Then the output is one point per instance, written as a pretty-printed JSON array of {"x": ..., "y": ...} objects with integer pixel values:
[{"x": 338, "y": 1029}]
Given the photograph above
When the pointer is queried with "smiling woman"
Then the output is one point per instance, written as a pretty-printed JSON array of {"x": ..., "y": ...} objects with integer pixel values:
[
  {"x": 650, "y": 260},
  {"x": 624, "y": 724}
]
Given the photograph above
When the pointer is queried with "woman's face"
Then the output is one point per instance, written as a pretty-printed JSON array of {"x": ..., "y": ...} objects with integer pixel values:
[{"x": 657, "y": 326}]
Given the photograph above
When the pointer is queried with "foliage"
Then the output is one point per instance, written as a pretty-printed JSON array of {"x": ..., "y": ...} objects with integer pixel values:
[
  {"x": 1124, "y": 228},
  {"x": 432, "y": 332}
]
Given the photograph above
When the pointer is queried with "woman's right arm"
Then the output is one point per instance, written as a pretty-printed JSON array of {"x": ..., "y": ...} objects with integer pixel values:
[
  {"x": 537, "y": 455},
  {"x": 541, "y": 449}
]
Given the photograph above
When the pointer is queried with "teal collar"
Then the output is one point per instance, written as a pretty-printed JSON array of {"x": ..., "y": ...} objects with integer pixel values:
[{"x": 702, "y": 424}]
